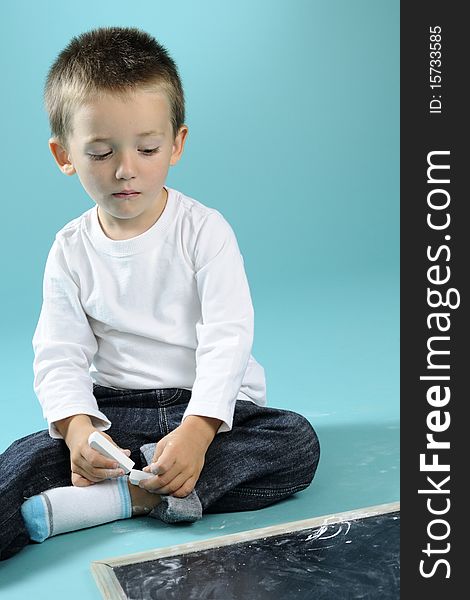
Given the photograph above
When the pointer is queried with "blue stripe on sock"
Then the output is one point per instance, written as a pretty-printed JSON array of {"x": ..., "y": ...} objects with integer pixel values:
[
  {"x": 36, "y": 518},
  {"x": 125, "y": 495}
]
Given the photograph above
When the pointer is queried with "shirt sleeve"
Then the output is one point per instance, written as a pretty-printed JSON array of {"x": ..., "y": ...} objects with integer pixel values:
[
  {"x": 64, "y": 346},
  {"x": 225, "y": 331}
]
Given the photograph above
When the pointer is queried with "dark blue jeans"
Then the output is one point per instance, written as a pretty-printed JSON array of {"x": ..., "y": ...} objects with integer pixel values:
[{"x": 268, "y": 455}]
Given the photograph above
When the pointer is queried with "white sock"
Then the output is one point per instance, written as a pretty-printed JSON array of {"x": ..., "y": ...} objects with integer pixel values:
[{"x": 70, "y": 508}]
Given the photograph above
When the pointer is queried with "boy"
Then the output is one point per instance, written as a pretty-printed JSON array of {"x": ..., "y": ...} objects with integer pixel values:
[{"x": 146, "y": 325}]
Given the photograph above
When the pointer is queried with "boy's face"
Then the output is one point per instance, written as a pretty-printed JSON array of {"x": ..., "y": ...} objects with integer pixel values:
[{"x": 122, "y": 159}]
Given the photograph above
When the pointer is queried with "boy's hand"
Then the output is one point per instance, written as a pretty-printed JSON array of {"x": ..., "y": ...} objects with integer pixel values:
[
  {"x": 88, "y": 466},
  {"x": 179, "y": 457}
]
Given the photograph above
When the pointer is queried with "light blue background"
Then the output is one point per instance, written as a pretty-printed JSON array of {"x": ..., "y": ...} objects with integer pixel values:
[{"x": 293, "y": 114}]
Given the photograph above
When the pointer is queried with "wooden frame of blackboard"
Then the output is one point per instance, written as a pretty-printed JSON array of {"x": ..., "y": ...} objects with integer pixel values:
[{"x": 110, "y": 588}]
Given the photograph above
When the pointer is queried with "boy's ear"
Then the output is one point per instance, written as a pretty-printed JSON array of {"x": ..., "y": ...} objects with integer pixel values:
[
  {"x": 61, "y": 157},
  {"x": 178, "y": 145}
]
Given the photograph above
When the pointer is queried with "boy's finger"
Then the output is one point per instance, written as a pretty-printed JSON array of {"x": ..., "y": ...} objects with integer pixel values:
[
  {"x": 163, "y": 461},
  {"x": 152, "y": 468},
  {"x": 126, "y": 451},
  {"x": 80, "y": 481},
  {"x": 97, "y": 460},
  {"x": 154, "y": 484},
  {"x": 96, "y": 474},
  {"x": 158, "y": 452},
  {"x": 173, "y": 484},
  {"x": 185, "y": 489},
  {"x": 164, "y": 480},
  {"x": 108, "y": 473}
]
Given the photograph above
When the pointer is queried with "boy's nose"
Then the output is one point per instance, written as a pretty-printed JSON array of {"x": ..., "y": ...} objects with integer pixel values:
[{"x": 126, "y": 168}]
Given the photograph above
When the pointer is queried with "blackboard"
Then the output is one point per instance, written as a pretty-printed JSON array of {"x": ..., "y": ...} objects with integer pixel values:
[{"x": 353, "y": 555}]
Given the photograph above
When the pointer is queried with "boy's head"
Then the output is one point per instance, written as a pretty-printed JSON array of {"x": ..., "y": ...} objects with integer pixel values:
[
  {"x": 109, "y": 60},
  {"x": 116, "y": 109}
]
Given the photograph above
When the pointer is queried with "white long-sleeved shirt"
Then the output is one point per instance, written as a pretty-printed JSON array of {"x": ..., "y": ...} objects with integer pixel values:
[{"x": 169, "y": 308}]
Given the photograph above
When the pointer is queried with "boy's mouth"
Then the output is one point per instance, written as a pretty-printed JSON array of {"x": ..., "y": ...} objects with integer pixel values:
[{"x": 126, "y": 194}]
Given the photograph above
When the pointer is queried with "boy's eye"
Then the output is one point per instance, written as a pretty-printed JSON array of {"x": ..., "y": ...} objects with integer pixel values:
[
  {"x": 103, "y": 156},
  {"x": 98, "y": 156}
]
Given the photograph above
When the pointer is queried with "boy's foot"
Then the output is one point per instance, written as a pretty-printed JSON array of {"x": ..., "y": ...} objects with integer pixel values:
[
  {"x": 69, "y": 508},
  {"x": 143, "y": 501}
]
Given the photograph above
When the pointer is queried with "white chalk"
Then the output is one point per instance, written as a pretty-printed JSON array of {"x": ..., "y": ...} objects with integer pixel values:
[
  {"x": 99, "y": 443},
  {"x": 135, "y": 476}
]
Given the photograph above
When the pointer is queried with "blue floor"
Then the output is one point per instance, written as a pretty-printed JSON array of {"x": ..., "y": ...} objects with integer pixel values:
[{"x": 334, "y": 359}]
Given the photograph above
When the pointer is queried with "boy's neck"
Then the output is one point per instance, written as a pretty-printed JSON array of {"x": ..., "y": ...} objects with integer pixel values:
[{"x": 116, "y": 231}]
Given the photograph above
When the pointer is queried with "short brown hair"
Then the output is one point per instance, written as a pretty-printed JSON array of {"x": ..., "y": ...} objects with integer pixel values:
[{"x": 114, "y": 60}]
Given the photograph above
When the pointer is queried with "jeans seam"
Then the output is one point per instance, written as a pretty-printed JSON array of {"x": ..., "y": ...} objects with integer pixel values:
[
  {"x": 18, "y": 510},
  {"x": 165, "y": 418},
  {"x": 267, "y": 493},
  {"x": 176, "y": 395},
  {"x": 173, "y": 399},
  {"x": 162, "y": 420}
]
